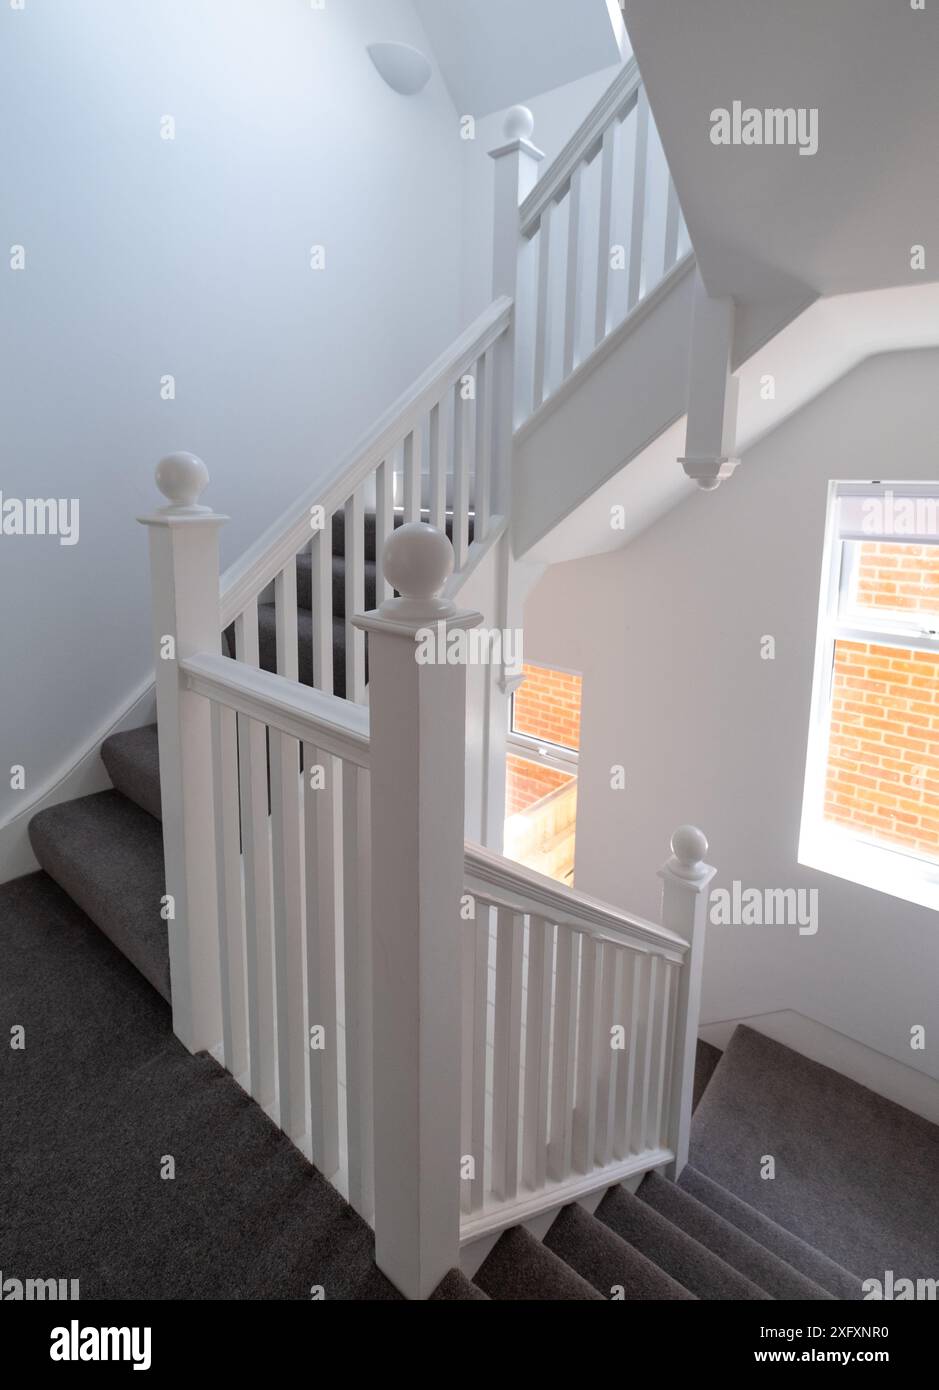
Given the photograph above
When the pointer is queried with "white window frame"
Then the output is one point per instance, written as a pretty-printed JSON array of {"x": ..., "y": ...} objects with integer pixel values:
[
  {"x": 825, "y": 845},
  {"x": 540, "y": 750}
]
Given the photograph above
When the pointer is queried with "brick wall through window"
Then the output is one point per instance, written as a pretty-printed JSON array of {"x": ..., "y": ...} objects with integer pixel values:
[{"x": 547, "y": 706}]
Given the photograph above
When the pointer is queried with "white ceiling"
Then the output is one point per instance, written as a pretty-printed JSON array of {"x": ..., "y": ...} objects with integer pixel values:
[
  {"x": 767, "y": 221},
  {"x": 496, "y": 53}
]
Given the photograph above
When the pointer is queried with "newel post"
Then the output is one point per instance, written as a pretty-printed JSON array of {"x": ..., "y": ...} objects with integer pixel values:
[
  {"x": 186, "y": 621},
  {"x": 516, "y": 163},
  {"x": 685, "y": 877},
  {"x": 417, "y": 683}
]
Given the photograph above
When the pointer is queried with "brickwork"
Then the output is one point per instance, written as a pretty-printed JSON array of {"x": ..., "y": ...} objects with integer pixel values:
[
  {"x": 547, "y": 706},
  {"x": 526, "y": 783}
]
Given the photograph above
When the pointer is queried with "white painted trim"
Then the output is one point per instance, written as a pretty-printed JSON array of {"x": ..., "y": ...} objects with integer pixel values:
[
  {"x": 495, "y": 879},
  {"x": 81, "y": 775},
  {"x": 904, "y": 1085},
  {"x": 558, "y": 1194},
  {"x": 603, "y": 350}
]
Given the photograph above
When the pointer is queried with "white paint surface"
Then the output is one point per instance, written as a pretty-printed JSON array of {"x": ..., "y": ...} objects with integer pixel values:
[{"x": 667, "y": 634}]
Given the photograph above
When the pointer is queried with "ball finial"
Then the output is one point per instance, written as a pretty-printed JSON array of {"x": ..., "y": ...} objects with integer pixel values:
[
  {"x": 709, "y": 484},
  {"x": 182, "y": 478},
  {"x": 417, "y": 561},
  {"x": 689, "y": 846},
  {"x": 519, "y": 123}
]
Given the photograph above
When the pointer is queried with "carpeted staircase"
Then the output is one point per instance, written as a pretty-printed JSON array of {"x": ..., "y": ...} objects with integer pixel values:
[{"x": 104, "y": 1091}]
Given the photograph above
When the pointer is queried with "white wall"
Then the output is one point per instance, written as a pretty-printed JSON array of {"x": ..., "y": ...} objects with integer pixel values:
[
  {"x": 667, "y": 634},
  {"x": 191, "y": 257}
]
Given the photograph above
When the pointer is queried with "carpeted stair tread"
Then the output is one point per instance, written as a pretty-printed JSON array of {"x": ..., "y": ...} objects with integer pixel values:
[
  {"x": 267, "y": 645},
  {"x": 132, "y": 761},
  {"x": 805, "y": 1258},
  {"x": 456, "y": 1288},
  {"x": 305, "y": 583},
  {"x": 600, "y": 1256},
  {"x": 758, "y": 1264},
  {"x": 855, "y": 1174},
  {"x": 520, "y": 1268},
  {"x": 102, "y": 1093},
  {"x": 706, "y": 1058},
  {"x": 107, "y": 854},
  {"x": 688, "y": 1262}
]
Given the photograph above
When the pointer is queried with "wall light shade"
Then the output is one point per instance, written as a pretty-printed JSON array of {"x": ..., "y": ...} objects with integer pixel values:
[{"x": 404, "y": 68}]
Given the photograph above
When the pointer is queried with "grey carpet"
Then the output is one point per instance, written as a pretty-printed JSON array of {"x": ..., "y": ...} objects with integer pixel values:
[
  {"x": 100, "y": 1095},
  {"x": 107, "y": 854},
  {"x": 601, "y": 1257},
  {"x": 760, "y": 1265},
  {"x": 455, "y": 1287},
  {"x": 801, "y": 1256},
  {"x": 856, "y": 1175},
  {"x": 132, "y": 761},
  {"x": 706, "y": 1058},
  {"x": 520, "y": 1268},
  {"x": 688, "y": 1262}
]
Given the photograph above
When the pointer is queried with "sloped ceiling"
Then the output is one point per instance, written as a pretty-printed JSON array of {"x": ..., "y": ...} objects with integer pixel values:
[
  {"x": 495, "y": 53},
  {"x": 766, "y": 221}
]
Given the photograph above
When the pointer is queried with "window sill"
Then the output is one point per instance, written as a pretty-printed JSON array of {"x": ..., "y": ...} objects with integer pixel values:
[{"x": 872, "y": 866}]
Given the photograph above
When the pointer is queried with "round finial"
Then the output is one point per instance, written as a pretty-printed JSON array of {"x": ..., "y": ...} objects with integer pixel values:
[
  {"x": 182, "y": 478},
  {"x": 519, "y": 123},
  {"x": 417, "y": 560},
  {"x": 689, "y": 846},
  {"x": 709, "y": 484}
]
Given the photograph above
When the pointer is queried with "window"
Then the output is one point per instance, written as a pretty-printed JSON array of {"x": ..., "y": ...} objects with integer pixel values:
[
  {"x": 541, "y": 771},
  {"x": 871, "y": 808}
]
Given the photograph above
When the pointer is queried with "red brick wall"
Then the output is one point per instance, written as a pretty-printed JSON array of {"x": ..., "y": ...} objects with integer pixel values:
[
  {"x": 526, "y": 783},
  {"x": 883, "y": 768},
  {"x": 898, "y": 576},
  {"x": 547, "y": 706}
]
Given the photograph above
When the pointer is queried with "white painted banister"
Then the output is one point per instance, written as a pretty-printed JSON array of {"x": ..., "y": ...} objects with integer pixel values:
[
  {"x": 685, "y": 877},
  {"x": 184, "y": 580},
  {"x": 417, "y": 758}
]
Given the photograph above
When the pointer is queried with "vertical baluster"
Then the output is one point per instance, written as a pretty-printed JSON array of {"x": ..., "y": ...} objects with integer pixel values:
[
  {"x": 285, "y": 607},
  {"x": 288, "y": 932},
  {"x": 672, "y": 222},
  {"x": 321, "y": 776},
  {"x": 230, "y": 905},
  {"x": 482, "y": 492},
  {"x": 564, "y": 1043},
  {"x": 629, "y": 1145},
  {"x": 665, "y": 1020},
  {"x": 572, "y": 294},
  {"x": 543, "y": 316},
  {"x": 585, "y": 1126},
  {"x": 640, "y": 166},
  {"x": 322, "y": 600},
  {"x": 357, "y": 960},
  {"x": 467, "y": 1072},
  {"x": 256, "y": 848},
  {"x": 384, "y": 525},
  {"x": 355, "y": 596},
  {"x": 607, "y": 163},
  {"x": 480, "y": 1049},
  {"x": 648, "y": 1044},
  {"x": 606, "y": 1080},
  {"x": 507, "y": 1054},
  {"x": 537, "y": 1027},
  {"x": 621, "y": 1017},
  {"x": 463, "y": 453},
  {"x": 413, "y": 450},
  {"x": 441, "y": 445}
]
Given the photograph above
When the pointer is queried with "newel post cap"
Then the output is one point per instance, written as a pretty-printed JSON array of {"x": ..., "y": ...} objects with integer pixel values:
[
  {"x": 689, "y": 845},
  {"x": 182, "y": 478},
  {"x": 517, "y": 130},
  {"x": 417, "y": 560}
]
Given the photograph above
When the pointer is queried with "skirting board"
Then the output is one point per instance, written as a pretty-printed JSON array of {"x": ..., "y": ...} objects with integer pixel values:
[
  {"x": 879, "y": 1073},
  {"x": 82, "y": 778}
]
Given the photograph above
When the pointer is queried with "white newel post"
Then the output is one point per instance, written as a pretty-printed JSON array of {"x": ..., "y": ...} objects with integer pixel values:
[
  {"x": 186, "y": 621},
  {"x": 417, "y": 739},
  {"x": 685, "y": 877}
]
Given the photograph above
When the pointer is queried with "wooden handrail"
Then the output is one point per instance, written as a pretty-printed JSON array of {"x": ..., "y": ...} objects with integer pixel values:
[
  {"x": 582, "y": 147},
  {"x": 263, "y": 561}
]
